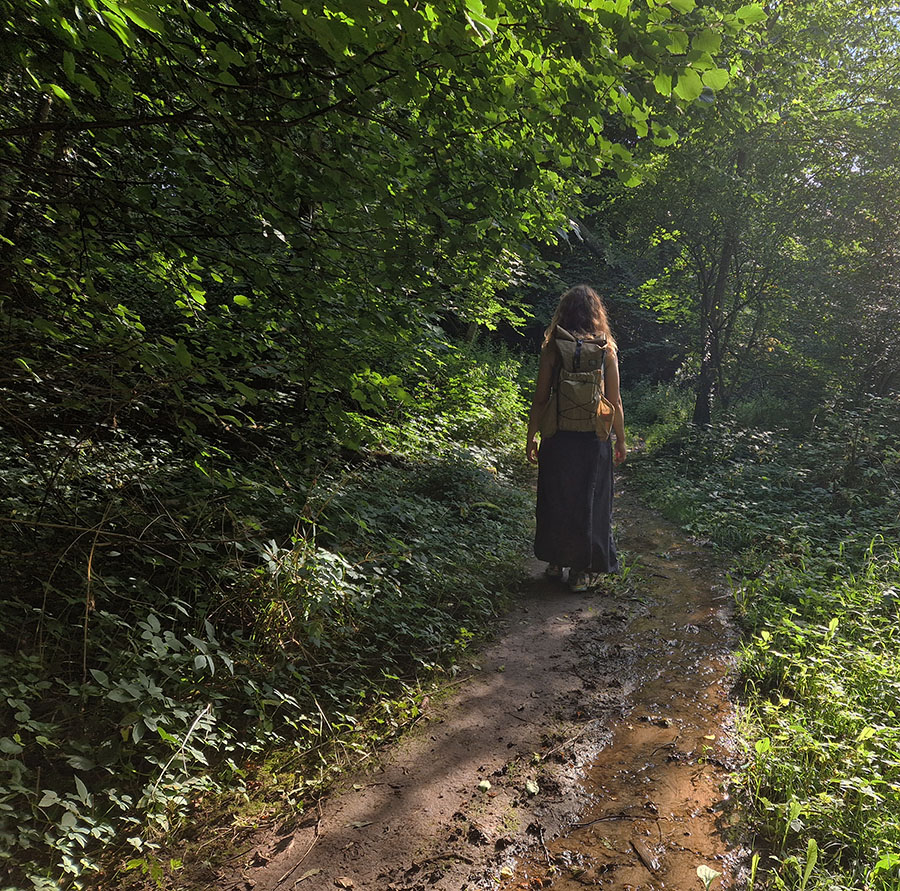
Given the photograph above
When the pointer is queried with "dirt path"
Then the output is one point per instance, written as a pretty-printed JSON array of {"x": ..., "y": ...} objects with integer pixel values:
[{"x": 590, "y": 748}]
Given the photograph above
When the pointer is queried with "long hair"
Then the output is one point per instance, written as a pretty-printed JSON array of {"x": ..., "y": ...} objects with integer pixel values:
[{"x": 581, "y": 311}]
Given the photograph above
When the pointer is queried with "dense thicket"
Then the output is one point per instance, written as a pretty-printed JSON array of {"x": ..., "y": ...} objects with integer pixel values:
[{"x": 246, "y": 460}]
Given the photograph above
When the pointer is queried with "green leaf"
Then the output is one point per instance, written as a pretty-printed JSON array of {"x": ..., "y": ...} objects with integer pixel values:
[
  {"x": 48, "y": 799},
  {"x": 812, "y": 855},
  {"x": 707, "y": 875},
  {"x": 23, "y": 363},
  {"x": 69, "y": 65},
  {"x": 119, "y": 695},
  {"x": 104, "y": 43},
  {"x": 751, "y": 14},
  {"x": 664, "y": 135},
  {"x": 477, "y": 14},
  {"x": 57, "y": 90},
  {"x": 87, "y": 83},
  {"x": 244, "y": 390},
  {"x": 707, "y": 41},
  {"x": 716, "y": 78},
  {"x": 678, "y": 42},
  {"x": 683, "y": 5},
  {"x": 8, "y": 747},
  {"x": 663, "y": 83},
  {"x": 294, "y": 10},
  {"x": 101, "y": 677},
  {"x": 83, "y": 793},
  {"x": 866, "y": 733},
  {"x": 204, "y": 21},
  {"x": 227, "y": 56},
  {"x": 80, "y": 762},
  {"x": 689, "y": 85},
  {"x": 241, "y": 300},
  {"x": 182, "y": 356},
  {"x": 143, "y": 17},
  {"x": 119, "y": 27}
]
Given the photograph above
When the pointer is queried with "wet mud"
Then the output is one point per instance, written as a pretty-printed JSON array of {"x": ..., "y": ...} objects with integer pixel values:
[
  {"x": 658, "y": 806},
  {"x": 589, "y": 745}
]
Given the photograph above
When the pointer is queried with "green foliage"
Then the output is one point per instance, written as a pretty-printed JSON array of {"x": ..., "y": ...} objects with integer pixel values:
[
  {"x": 253, "y": 489},
  {"x": 175, "y": 623},
  {"x": 274, "y": 205},
  {"x": 814, "y": 520},
  {"x": 656, "y": 413},
  {"x": 821, "y": 673},
  {"x": 767, "y": 490},
  {"x": 760, "y": 239}
]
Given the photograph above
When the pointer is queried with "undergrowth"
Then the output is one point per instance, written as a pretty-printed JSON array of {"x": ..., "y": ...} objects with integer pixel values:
[
  {"x": 192, "y": 631},
  {"x": 813, "y": 520}
]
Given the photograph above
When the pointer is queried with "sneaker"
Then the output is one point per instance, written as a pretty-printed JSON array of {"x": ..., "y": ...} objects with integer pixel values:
[
  {"x": 553, "y": 571},
  {"x": 584, "y": 581}
]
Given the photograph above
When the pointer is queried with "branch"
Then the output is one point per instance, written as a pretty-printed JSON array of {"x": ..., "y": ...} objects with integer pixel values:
[{"x": 79, "y": 127}]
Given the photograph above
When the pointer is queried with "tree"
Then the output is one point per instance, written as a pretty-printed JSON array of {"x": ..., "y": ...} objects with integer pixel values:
[
  {"x": 335, "y": 168},
  {"x": 760, "y": 220}
]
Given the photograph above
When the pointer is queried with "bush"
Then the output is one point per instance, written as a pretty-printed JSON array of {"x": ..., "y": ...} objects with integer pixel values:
[
  {"x": 177, "y": 622},
  {"x": 655, "y": 412},
  {"x": 814, "y": 521}
]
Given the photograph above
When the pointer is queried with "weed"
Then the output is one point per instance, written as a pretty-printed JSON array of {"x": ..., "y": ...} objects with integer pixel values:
[
  {"x": 231, "y": 631},
  {"x": 810, "y": 519}
]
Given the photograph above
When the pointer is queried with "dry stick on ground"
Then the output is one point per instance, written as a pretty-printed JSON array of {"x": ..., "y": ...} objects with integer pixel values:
[
  {"x": 570, "y": 740},
  {"x": 311, "y": 844},
  {"x": 544, "y": 845},
  {"x": 587, "y": 823}
]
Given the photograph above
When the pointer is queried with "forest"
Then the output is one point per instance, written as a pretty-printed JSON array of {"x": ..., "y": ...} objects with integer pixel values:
[{"x": 273, "y": 280}]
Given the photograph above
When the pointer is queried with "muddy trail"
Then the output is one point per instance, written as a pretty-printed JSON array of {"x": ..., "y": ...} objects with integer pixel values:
[{"x": 589, "y": 746}]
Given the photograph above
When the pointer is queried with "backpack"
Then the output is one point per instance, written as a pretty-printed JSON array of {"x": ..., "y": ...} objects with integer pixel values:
[{"x": 577, "y": 401}]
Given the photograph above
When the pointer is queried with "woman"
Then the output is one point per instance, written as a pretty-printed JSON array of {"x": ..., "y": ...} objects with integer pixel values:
[{"x": 575, "y": 470}]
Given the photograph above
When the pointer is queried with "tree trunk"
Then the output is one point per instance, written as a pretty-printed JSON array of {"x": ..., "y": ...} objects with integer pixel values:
[
  {"x": 711, "y": 302},
  {"x": 710, "y": 333}
]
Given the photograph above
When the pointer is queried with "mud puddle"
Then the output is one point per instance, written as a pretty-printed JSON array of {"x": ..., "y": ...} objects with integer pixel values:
[
  {"x": 657, "y": 807},
  {"x": 587, "y": 746}
]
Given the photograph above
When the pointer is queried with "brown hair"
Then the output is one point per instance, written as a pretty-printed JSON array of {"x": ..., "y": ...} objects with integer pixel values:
[{"x": 581, "y": 311}]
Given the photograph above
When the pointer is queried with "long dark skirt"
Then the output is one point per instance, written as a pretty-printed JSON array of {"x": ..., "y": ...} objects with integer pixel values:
[{"x": 574, "y": 503}]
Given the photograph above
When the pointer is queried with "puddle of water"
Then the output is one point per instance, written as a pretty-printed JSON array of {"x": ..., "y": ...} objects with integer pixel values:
[{"x": 658, "y": 810}]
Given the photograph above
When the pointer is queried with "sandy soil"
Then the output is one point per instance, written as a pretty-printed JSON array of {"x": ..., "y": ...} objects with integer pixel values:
[{"x": 590, "y": 747}]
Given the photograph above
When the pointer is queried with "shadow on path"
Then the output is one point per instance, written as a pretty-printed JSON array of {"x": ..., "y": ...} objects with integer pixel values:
[{"x": 601, "y": 723}]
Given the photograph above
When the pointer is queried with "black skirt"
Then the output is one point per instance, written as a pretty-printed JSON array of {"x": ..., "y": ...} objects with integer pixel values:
[{"x": 574, "y": 503}]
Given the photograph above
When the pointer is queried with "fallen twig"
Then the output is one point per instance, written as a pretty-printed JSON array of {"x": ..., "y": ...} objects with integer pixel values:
[
  {"x": 615, "y": 817},
  {"x": 570, "y": 740},
  {"x": 311, "y": 844},
  {"x": 544, "y": 846}
]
